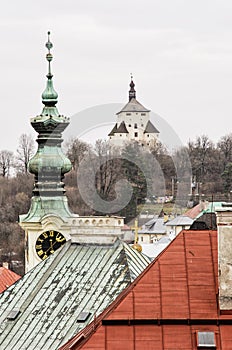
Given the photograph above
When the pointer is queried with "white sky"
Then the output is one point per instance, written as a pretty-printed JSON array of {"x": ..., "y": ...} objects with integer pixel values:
[{"x": 179, "y": 51}]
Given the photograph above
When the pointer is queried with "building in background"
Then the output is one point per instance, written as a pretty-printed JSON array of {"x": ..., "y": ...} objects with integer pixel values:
[
  {"x": 7, "y": 277},
  {"x": 133, "y": 124}
]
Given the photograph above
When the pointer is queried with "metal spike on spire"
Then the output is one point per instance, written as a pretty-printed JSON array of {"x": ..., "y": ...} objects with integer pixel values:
[
  {"x": 49, "y": 57},
  {"x": 49, "y": 96}
]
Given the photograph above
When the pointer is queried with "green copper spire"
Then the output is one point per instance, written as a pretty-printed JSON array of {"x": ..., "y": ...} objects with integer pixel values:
[
  {"x": 49, "y": 164},
  {"x": 49, "y": 96}
]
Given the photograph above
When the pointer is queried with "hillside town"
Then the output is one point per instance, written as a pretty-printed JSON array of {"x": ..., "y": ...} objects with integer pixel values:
[{"x": 120, "y": 245}]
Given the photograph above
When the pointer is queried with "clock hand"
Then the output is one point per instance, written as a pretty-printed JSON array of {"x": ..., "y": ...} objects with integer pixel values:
[{"x": 51, "y": 246}]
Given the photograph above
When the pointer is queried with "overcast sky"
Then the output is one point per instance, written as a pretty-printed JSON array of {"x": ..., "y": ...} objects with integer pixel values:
[{"x": 179, "y": 51}]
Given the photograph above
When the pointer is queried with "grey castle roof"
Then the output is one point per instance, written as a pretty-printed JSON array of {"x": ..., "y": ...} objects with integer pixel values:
[
  {"x": 63, "y": 294},
  {"x": 133, "y": 106},
  {"x": 122, "y": 129},
  {"x": 150, "y": 128},
  {"x": 113, "y": 130}
]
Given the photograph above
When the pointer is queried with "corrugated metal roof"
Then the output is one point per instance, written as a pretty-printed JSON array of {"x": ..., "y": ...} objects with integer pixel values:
[
  {"x": 133, "y": 106},
  {"x": 7, "y": 278},
  {"x": 51, "y": 297},
  {"x": 168, "y": 304}
]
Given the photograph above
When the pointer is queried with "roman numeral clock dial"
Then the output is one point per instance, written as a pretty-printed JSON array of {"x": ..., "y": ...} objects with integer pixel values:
[{"x": 48, "y": 242}]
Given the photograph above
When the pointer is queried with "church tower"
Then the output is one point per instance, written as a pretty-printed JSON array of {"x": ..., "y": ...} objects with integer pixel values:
[
  {"x": 47, "y": 224},
  {"x": 133, "y": 123}
]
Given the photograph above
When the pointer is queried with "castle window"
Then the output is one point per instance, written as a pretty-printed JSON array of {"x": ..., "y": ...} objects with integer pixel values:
[
  {"x": 136, "y": 126},
  {"x": 136, "y": 134}
]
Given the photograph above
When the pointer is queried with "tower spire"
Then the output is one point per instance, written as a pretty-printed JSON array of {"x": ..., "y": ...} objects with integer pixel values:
[
  {"x": 49, "y": 164},
  {"x": 132, "y": 92},
  {"x": 49, "y": 96}
]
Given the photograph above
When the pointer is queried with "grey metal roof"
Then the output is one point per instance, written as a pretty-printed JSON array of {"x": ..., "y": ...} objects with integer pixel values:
[
  {"x": 133, "y": 106},
  {"x": 150, "y": 128},
  {"x": 62, "y": 294},
  {"x": 113, "y": 130},
  {"x": 122, "y": 129},
  {"x": 180, "y": 220},
  {"x": 155, "y": 225},
  {"x": 152, "y": 250}
]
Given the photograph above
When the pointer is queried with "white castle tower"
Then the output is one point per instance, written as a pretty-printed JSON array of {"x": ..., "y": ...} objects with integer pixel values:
[{"x": 133, "y": 123}]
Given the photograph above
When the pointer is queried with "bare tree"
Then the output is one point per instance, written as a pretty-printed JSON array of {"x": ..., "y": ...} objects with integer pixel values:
[
  {"x": 108, "y": 168},
  {"x": 76, "y": 150},
  {"x": 6, "y": 162},
  {"x": 225, "y": 147},
  {"x": 24, "y": 152}
]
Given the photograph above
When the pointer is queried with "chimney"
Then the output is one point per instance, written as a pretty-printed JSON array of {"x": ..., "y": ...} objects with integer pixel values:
[
  {"x": 5, "y": 265},
  {"x": 224, "y": 227}
]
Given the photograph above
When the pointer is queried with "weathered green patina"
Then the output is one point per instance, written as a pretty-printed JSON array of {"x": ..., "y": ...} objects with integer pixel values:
[{"x": 49, "y": 164}]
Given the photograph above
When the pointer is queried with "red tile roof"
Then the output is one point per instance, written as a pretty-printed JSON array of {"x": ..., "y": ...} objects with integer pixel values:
[
  {"x": 174, "y": 298},
  {"x": 195, "y": 211},
  {"x": 7, "y": 278}
]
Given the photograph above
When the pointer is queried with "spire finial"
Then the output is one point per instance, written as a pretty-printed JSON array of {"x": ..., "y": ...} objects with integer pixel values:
[
  {"x": 49, "y": 57},
  {"x": 49, "y": 96},
  {"x": 132, "y": 92}
]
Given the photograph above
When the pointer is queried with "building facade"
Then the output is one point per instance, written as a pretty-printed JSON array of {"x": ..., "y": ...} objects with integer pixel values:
[{"x": 133, "y": 124}]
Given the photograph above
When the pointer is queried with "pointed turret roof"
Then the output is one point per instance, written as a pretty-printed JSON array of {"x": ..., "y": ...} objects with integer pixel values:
[
  {"x": 122, "y": 129},
  {"x": 150, "y": 128},
  {"x": 113, "y": 130}
]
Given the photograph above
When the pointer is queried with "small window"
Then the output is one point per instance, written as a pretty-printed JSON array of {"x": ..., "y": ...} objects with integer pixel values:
[
  {"x": 141, "y": 239},
  {"x": 129, "y": 125},
  {"x": 147, "y": 135},
  {"x": 141, "y": 125},
  {"x": 136, "y": 134},
  {"x": 13, "y": 314},
  {"x": 82, "y": 317},
  {"x": 128, "y": 113},
  {"x": 120, "y": 134},
  {"x": 136, "y": 126},
  {"x": 143, "y": 113},
  {"x": 206, "y": 340}
]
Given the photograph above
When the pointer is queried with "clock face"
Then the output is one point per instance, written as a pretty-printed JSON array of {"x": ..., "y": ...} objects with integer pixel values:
[{"x": 48, "y": 242}]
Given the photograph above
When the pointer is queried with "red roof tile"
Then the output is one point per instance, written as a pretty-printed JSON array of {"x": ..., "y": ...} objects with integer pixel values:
[
  {"x": 172, "y": 300},
  {"x": 7, "y": 278}
]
